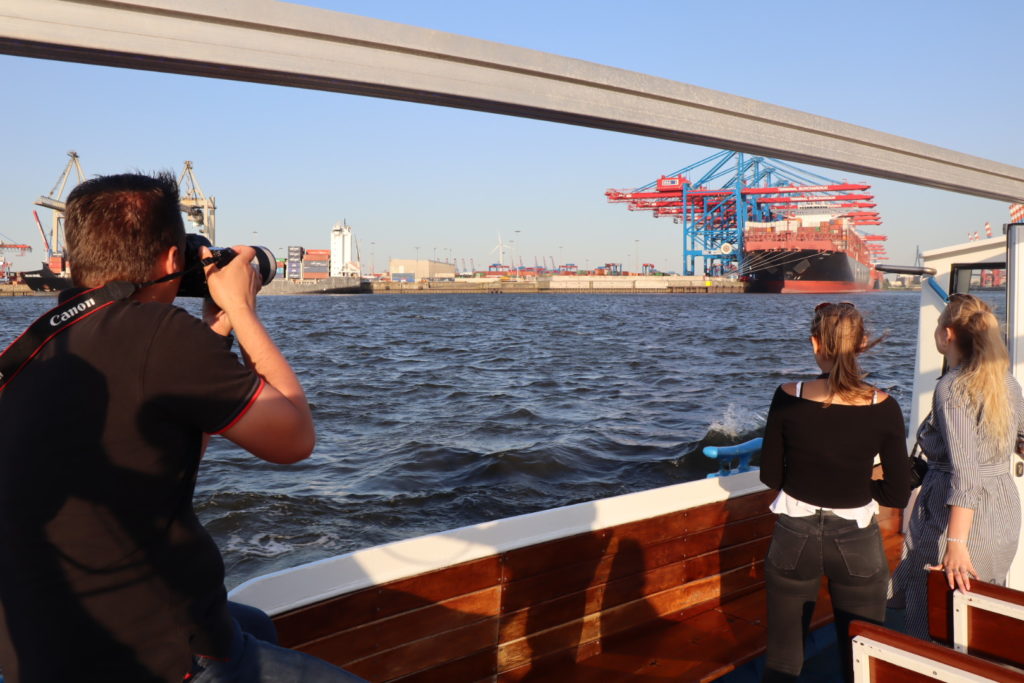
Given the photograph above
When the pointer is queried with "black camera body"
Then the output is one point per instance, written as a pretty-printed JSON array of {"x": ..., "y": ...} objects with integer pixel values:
[{"x": 193, "y": 282}]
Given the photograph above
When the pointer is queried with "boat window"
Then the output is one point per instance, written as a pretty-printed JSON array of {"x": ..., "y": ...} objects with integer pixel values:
[{"x": 987, "y": 281}]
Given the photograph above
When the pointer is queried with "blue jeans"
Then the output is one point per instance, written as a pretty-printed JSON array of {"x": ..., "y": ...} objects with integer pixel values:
[
  {"x": 257, "y": 661},
  {"x": 803, "y": 550}
]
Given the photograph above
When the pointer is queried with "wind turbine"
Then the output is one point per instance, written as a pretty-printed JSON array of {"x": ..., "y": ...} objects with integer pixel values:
[{"x": 500, "y": 248}]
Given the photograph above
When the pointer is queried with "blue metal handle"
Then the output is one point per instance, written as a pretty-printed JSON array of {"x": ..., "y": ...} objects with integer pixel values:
[
  {"x": 938, "y": 289},
  {"x": 733, "y": 459},
  {"x": 747, "y": 447}
]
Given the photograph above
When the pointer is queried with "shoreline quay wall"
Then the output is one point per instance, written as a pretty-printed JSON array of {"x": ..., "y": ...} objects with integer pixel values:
[
  {"x": 565, "y": 285},
  {"x": 548, "y": 285}
]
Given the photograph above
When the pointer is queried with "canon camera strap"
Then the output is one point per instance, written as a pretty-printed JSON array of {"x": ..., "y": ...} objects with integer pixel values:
[{"x": 56, "y": 320}]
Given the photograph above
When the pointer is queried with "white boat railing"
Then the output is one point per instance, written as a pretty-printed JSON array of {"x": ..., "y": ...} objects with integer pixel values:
[
  {"x": 963, "y": 603},
  {"x": 933, "y": 661},
  {"x": 313, "y": 582}
]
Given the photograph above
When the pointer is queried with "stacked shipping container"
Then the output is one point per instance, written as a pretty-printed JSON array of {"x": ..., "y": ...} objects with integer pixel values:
[
  {"x": 294, "y": 267},
  {"x": 316, "y": 264}
]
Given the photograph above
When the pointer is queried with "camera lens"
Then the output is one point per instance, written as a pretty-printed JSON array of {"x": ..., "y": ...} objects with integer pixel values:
[
  {"x": 193, "y": 283},
  {"x": 265, "y": 265}
]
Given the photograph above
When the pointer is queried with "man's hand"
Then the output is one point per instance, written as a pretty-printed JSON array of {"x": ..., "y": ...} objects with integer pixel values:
[{"x": 233, "y": 288}]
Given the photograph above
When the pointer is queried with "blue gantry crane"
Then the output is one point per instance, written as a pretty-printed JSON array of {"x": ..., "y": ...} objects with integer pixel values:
[{"x": 731, "y": 189}]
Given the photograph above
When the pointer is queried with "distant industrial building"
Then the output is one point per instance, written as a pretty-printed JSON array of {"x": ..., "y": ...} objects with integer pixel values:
[
  {"x": 344, "y": 259},
  {"x": 414, "y": 270}
]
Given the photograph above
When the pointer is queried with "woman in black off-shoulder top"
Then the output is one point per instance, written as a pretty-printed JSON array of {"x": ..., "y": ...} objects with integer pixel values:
[{"x": 820, "y": 443}]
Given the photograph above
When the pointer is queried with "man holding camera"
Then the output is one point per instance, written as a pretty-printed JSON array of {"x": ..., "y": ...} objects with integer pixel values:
[{"x": 106, "y": 574}]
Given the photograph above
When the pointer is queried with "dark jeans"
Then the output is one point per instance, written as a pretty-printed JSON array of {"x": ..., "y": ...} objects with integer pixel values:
[
  {"x": 253, "y": 621},
  {"x": 254, "y": 660},
  {"x": 803, "y": 550}
]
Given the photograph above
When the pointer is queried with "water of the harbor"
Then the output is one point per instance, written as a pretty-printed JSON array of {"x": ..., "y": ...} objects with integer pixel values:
[{"x": 438, "y": 411}]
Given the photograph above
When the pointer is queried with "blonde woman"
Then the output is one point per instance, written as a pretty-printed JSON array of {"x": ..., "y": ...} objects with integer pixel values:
[
  {"x": 967, "y": 516},
  {"x": 819, "y": 447}
]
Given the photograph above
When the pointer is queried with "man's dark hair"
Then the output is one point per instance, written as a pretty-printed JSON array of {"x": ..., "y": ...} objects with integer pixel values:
[{"x": 116, "y": 226}]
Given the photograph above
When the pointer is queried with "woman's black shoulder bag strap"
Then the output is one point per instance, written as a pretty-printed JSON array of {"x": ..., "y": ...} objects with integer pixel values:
[
  {"x": 56, "y": 320},
  {"x": 918, "y": 459}
]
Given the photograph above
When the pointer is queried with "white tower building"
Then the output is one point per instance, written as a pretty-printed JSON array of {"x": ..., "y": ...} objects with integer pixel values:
[{"x": 344, "y": 261}]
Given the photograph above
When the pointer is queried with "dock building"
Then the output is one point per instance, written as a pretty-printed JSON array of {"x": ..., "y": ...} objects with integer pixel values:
[{"x": 415, "y": 270}]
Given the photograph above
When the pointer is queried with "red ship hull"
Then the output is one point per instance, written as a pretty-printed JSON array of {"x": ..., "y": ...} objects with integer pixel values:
[{"x": 810, "y": 287}]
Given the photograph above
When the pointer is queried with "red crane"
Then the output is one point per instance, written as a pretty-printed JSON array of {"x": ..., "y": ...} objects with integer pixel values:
[
  {"x": 22, "y": 249},
  {"x": 7, "y": 244},
  {"x": 5, "y": 265}
]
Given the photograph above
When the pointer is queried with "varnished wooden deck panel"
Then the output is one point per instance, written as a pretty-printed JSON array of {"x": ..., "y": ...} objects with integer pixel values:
[
  {"x": 380, "y": 602},
  {"x": 677, "y": 596}
]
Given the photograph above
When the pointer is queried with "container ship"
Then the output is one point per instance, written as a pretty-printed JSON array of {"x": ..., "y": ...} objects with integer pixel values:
[
  {"x": 44, "y": 280},
  {"x": 52, "y": 277},
  {"x": 811, "y": 253}
]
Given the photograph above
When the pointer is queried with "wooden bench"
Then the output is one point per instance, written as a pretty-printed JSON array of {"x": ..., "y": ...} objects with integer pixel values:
[
  {"x": 678, "y": 596},
  {"x": 881, "y": 655},
  {"x": 987, "y": 622}
]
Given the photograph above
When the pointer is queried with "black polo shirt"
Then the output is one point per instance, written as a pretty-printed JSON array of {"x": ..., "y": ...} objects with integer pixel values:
[{"x": 106, "y": 574}]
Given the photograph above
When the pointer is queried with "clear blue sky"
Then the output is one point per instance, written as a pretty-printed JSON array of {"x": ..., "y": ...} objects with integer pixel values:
[{"x": 286, "y": 164}]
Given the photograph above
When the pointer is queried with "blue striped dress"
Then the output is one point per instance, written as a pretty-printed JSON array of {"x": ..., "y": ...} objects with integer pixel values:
[{"x": 967, "y": 468}]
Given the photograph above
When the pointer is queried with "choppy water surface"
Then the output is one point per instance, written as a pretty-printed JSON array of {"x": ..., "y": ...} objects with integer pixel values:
[{"x": 439, "y": 411}]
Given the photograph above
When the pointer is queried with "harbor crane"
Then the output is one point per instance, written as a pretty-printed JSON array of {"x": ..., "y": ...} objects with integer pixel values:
[
  {"x": 752, "y": 189},
  {"x": 5, "y": 265},
  {"x": 7, "y": 244},
  {"x": 22, "y": 249},
  {"x": 53, "y": 201},
  {"x": 42, "y": 233},
  {"x": 199, "y": 210}
]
